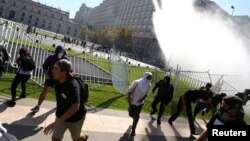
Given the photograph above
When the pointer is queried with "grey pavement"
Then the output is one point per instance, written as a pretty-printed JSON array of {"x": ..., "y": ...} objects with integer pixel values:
[{"x": 100, "y": 124}]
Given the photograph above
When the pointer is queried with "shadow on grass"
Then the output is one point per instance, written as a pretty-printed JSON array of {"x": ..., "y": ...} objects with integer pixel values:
[{"x": 105, "y": 104}]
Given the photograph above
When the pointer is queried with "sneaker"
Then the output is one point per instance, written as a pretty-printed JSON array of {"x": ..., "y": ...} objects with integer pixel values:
[
  {"x": 84, "y": 137},
  {"x": 153, "y": 112},
  {"x": 35, "y": 109},
  {"x": 11, "y": 103}
]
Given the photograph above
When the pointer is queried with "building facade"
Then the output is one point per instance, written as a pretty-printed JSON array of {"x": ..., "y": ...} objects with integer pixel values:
[
  {"x": 39, "y": 15},
  {"x": 135, "y": 15},
  {"x": 82, "y": 16}
]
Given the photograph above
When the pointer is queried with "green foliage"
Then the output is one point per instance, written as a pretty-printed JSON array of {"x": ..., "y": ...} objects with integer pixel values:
[{"x": 122, "y": 38}]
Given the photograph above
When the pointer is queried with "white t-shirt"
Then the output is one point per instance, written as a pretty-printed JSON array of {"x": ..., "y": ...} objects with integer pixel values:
[{"x": 137, "y": 93}]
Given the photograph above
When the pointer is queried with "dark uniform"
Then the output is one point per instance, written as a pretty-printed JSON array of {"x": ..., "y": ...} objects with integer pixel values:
[
  {"x": 164, "y": 96},
  {"x": 185, "y": 103}
]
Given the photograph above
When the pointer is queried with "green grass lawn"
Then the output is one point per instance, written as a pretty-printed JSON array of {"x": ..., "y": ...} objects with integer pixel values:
[{"x": 101, "y": 96}]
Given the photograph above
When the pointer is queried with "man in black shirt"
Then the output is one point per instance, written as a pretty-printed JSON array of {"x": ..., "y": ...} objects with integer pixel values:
[
  {"x": 191, "y": 96},
  {"x": 70, "y": 110},
  {"x": 164, "y": 96}
]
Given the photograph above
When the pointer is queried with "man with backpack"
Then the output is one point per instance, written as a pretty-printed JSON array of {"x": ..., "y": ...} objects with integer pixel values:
[
  {"x": 185, "y": 104},
  {"x": 25, "y": 66},
  {"x": 70, "y": 110},
  {"x": 4, "y": 57},
  {"x": 48, "y": 65}
]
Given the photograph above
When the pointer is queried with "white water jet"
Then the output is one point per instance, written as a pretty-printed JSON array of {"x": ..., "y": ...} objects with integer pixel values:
[{"x": 200, "y": 41}]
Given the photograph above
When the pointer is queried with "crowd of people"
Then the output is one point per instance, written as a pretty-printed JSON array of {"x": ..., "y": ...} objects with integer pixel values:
[
  {"x": 204, "y": 99},
  {"x": 71, "y": 111}
]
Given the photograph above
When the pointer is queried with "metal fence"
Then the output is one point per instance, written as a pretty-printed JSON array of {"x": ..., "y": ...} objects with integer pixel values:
[
  {"x": 229, "y": 84},
  {"x": 84, "y": 64},
  {"x": 95, "y": 67}
]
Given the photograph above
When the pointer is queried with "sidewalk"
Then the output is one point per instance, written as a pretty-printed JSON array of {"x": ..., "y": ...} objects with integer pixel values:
[{"x": 100, "y": 124}]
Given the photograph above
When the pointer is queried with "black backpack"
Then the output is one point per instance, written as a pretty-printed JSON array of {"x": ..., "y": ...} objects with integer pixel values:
[
  {"x": 27, "y": 63},
  {"x": 84, "y": 89}
]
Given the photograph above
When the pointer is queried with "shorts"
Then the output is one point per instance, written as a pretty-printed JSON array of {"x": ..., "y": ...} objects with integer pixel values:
[
  {"x": 49, "y": 83},
  {"x": 75, "y": 129}
]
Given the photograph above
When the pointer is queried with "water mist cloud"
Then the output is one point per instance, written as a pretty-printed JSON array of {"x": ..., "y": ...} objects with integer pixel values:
[{"x": 199, "y": 41}]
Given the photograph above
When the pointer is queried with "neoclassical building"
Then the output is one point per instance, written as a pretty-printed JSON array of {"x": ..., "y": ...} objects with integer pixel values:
[
  {"x": 40, "y": 16},
  {"x": 82, "y": 15}
]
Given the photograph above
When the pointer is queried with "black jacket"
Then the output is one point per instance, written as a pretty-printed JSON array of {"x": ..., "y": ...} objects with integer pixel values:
[{"x": 165, "y": 90}]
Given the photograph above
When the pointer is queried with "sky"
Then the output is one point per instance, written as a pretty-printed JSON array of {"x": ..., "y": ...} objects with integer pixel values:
[{"x": 241, "y": 7}]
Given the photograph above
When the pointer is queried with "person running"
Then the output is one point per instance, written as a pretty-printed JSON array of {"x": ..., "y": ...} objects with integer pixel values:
[
  {"x": 48, "y": 65},
  {"x": 164, "y": 96},
  {"x": 70, "y": 109},
  {"x": 185, "y": 101},
  {"x": 25, "y": 67},
  {"x": 137, "y": 92}
]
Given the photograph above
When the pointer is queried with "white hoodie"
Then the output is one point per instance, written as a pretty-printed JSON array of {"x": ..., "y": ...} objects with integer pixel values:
[{"x": 139, "y": 88}]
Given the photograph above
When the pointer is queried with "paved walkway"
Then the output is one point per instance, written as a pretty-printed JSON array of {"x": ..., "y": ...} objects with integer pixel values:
[{"x": 100, "y": 124}]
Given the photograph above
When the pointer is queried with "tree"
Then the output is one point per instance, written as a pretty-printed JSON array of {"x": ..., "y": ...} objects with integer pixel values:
[
  {"x": 124, "y": 41},
  {"x": 85, "y": 31}
]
